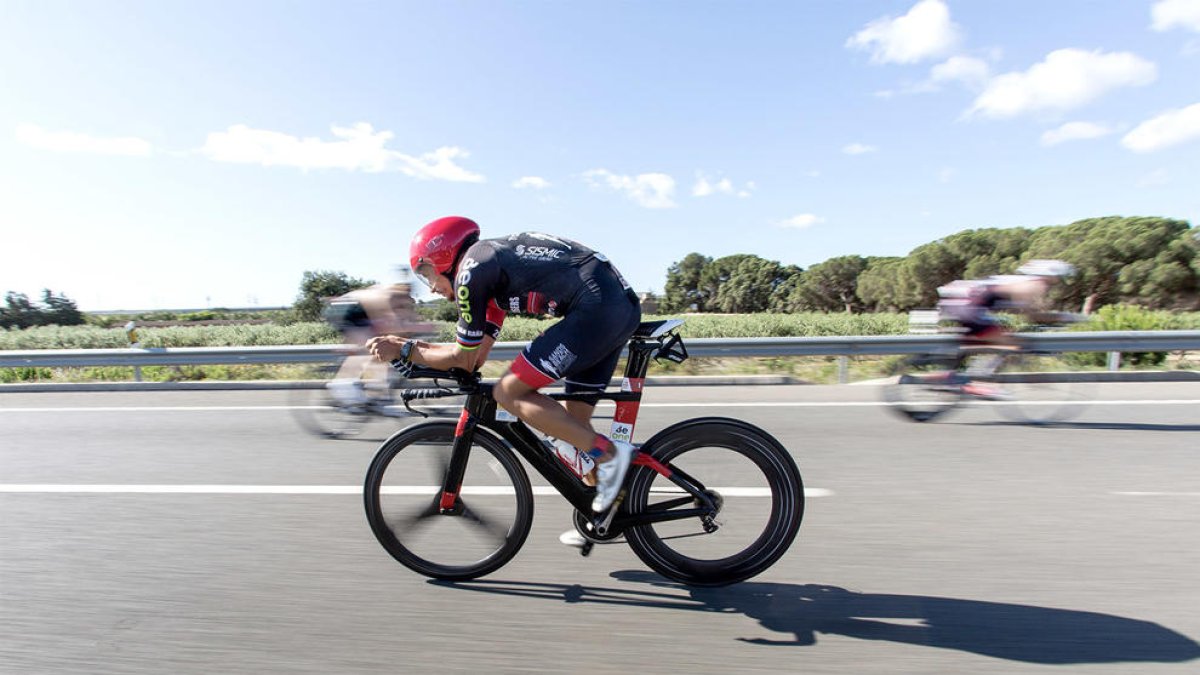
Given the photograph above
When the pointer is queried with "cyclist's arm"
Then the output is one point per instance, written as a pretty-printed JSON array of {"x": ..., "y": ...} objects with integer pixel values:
[
  {"x": 447, "y": 356},
  {"x": 479, "y": 322},
  {"x": 435, "y": 355}
]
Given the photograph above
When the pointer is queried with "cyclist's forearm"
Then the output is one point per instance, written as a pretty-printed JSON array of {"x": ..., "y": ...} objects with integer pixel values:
[{"x": 445, "y": 356}]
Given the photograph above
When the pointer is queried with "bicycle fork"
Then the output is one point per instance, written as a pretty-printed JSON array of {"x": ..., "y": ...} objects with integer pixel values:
[{"x": 452, "y": 483}]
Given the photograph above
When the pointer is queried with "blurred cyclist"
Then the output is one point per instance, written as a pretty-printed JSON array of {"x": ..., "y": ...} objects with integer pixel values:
[
  {"x": 539, "y": 274},
  {"x": 971, "y": 304},
  {"x": 360, "y": 315}
]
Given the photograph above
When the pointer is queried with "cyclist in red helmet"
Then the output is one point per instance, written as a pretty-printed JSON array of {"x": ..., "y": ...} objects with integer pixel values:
[{"x": 538, "y": 274}]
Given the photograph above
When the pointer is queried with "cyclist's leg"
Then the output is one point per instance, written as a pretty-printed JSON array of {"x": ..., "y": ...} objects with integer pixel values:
[
  {"x": 985, "y": 331},
  {"x": 572, "y": 346},
  {"x": 347, "y": 384},
  {"x": 584, "y": 341}
]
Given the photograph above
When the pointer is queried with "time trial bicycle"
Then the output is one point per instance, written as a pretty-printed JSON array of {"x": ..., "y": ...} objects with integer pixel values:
[
  {"x": 320, "y": 412},
  {"x": 708, "y": 501},
  {"x": 1026, "y": 384}
]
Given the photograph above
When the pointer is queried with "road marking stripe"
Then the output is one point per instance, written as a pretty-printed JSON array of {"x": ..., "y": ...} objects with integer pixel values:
[
  {"x": 763, "y": 404},
  {"x": 541, "y": 490},
  {"x": 1158, "y": 494}
]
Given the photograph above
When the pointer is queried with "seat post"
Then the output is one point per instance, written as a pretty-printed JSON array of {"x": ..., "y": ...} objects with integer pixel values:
[
  {"x": 625, "y": 416},
  {"x": 640, "y": 353}
]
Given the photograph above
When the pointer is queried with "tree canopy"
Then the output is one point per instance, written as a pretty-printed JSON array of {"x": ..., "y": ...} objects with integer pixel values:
[
  {"x": 55, "y": 309},
  {"x": 317, "y": 286},
  {"x": 1152, "y": 262}
]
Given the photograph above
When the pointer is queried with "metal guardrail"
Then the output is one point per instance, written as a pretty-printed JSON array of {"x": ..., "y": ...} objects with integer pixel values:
[{"x": 1115, "y": 341}]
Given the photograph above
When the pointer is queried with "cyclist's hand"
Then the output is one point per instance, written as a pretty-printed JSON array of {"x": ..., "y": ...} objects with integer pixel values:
[{"x": 386, "y": 348}]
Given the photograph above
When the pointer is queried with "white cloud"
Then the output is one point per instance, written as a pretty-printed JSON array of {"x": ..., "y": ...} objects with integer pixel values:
[
  {"x": 967, "y": 70},
  {"x": 357, "y": 148},
  {"x": 438, "y": 165},
  {"x": 72, "y": 142},
  {"x": 926, "y": 31},
  {"x": 1075, "y": 131},
  {"x": 651, "y": 190},
  {"x": 533, "y": 182},
  {"x": 1169, "y": 128},
  {"x": 1168, "y": 14},
  {"x": 801, "y": 221},
  {"x": 947, "y": 174},
  {"x": 1065, "y": 79},
  {"x": 859, "y": 149},
  {"x": 705, "y": 187}
]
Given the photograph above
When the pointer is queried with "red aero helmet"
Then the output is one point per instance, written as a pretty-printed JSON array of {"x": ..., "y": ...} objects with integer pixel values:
[{"x": 437, "y": 243}]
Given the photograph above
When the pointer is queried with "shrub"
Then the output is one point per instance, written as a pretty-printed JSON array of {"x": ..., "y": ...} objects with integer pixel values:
[{"x": 1126, "y": 318}]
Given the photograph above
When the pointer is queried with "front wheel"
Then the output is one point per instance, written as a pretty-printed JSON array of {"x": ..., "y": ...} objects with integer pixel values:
[
  {"x": 1038, "y": 388},
  {"x": 482, "y": 531},
  {"x": 751, "y": 479},
  {"x": 318, "y": 412}
]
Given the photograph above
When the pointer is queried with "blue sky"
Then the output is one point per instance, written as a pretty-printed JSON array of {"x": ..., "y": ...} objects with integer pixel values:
[{"x": 190, "y": 154}]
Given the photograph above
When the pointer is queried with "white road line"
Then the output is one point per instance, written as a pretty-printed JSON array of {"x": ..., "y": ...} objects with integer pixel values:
[
  {"x": 762, "y": 404},
  {"x": 541, "y": 490},
  {"x": 1158, "y": 494}
]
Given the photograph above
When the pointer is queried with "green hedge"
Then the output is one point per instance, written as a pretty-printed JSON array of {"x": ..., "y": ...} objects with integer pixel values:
[{"x": 519, "y": 329}]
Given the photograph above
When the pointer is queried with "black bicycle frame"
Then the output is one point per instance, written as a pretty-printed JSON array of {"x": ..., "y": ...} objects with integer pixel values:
[{"x": 480, "y": 410}]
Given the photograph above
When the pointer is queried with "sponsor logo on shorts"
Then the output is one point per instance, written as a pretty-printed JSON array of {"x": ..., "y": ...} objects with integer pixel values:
[{"x": 559, "y": 361}]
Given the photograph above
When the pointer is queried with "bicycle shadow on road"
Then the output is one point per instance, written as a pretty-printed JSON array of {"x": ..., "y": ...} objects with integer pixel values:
[{"x": 1014, "y": 632}]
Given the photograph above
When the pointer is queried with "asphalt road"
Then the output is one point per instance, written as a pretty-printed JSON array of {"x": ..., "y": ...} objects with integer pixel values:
[{"x": 971, "y": 544}]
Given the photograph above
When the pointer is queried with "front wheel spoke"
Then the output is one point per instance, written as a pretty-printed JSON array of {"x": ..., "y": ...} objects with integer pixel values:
[
  {"x": 496, "y": 530},
  {"x": 415, "y": 518}
]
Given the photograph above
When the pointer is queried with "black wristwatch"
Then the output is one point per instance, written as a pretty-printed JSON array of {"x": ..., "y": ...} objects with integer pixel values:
[{"x": 406, "y": 351}]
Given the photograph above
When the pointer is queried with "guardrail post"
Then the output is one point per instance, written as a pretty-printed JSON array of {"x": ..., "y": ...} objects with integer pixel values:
[
  {"x": 134, "y": 343},
  {"x": 843, "y": 369},
  {"x": 1114, "y": 361}
]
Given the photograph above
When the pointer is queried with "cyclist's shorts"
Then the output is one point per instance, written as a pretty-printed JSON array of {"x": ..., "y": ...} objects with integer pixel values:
[
  {"x": 346, "y": 315},
  {"x": 583, "y": 348},
  {"x": 977, "y": 320}
]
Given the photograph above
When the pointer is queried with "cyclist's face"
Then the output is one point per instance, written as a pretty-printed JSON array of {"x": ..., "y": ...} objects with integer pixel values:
[
  {"x": 437, "y": 283},
  {"x": 443, "y": 287}
]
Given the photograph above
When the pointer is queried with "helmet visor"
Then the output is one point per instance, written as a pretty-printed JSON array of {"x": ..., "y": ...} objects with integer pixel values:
[{"x": 426, "y": 273}]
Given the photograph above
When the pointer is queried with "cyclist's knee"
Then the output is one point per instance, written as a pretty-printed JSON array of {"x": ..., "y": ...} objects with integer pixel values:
[{"x": 510, "y": 389}]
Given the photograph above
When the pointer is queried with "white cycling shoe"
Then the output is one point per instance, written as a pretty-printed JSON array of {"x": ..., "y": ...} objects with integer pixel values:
[{"x": 611, "y": 474}]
